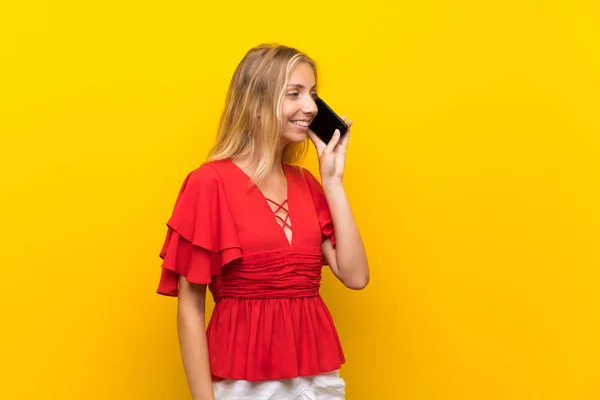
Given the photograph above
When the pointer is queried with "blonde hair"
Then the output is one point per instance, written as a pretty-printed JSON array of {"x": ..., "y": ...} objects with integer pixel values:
[{"x": 250, "y": 125}]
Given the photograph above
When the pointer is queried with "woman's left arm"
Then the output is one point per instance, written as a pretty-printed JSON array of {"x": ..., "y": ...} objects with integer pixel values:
[{"x": 348, "y": 260}]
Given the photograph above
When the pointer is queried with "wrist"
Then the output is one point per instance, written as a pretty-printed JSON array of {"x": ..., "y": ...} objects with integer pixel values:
[{"x": 332, "y": 184}]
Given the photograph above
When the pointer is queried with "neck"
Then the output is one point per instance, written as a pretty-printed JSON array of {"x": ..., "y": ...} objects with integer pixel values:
[
  {"x": 278, "y": 160},
  {"x": 248, "y": 163}
]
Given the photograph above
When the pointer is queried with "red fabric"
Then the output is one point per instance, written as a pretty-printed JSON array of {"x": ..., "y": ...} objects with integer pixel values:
[{"x": 269, "y": 320}]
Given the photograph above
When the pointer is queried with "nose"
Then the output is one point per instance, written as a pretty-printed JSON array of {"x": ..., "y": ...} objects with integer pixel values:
[{"x": 309, "y": 106}]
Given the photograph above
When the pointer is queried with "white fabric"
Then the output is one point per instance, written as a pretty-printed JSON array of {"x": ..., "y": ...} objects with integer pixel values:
[{"x": 329, "y": 386}]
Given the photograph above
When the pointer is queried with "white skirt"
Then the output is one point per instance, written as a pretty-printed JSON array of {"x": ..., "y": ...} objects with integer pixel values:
[{"x": 328, "y": 386}]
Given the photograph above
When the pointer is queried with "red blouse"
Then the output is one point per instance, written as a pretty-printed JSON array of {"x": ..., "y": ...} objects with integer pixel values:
[{"x": 269, "y": 321}]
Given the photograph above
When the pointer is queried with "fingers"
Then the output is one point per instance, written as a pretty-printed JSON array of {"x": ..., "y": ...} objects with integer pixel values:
[
  {"x": 345, "y": 139},
  {"x": 344, "y": 142},
  {"x": 335, "y": 139},
  {"x": 337, "y": 143}
]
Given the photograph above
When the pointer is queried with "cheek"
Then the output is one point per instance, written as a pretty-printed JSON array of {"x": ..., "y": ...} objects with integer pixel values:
[{"x": 288, "y": 110}]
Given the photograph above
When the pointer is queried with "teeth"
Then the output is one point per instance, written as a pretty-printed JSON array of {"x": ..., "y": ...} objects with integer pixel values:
[{"x": 300, "y": 123}]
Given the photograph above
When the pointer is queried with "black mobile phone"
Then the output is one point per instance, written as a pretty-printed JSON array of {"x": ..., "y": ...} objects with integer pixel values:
[{"x": 326, "y": 122}]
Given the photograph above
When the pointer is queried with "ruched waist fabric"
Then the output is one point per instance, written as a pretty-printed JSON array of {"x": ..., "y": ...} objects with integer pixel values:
[{"x": 277, "y": 274}]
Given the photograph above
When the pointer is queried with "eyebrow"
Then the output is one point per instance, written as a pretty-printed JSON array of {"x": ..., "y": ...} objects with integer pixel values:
[{"x": 299, "y": 86}]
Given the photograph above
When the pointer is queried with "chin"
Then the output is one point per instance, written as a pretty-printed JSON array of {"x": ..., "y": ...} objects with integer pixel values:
[{"x": 293, "y": 137}]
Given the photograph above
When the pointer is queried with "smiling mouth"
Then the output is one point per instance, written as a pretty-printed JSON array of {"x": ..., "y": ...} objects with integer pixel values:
[{"x": 303, "y": 124}]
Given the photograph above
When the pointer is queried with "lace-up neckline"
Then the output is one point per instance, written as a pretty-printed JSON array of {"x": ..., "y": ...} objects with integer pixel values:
[{"x": 282, "y": 216}]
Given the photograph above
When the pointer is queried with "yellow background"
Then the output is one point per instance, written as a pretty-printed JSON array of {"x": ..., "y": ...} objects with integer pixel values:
[{"x": 473, "y": 172}]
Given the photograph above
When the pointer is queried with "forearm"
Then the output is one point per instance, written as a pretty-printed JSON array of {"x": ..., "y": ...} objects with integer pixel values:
[
  {"x": 351, "y": 258},
  {"x": 194, "y": 353}
]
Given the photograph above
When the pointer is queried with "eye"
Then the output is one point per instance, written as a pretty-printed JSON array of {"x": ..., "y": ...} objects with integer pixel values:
[
  {"x": 314, "y": 95},
  {"x": 293, "y": 94}
]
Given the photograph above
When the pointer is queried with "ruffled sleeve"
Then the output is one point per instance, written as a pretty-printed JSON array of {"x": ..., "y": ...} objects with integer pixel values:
[
  {"x": 320, "y": 202},
  {"x": 201, "y": 236}
]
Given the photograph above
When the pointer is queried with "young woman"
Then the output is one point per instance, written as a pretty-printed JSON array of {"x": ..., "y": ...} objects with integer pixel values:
[{"x": 257, "y": 229}]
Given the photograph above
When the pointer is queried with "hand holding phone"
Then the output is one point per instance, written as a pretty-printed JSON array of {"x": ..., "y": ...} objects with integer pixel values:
[{"x": 326, "y": 122}]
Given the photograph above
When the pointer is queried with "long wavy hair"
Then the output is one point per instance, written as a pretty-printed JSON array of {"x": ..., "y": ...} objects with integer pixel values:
[{"x": 251, "y": 122}]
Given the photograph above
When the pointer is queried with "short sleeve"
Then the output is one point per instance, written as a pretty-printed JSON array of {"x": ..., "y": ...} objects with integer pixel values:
[
  {"x": 321, "y": 207},
  {"x": 201, "y": 235}
]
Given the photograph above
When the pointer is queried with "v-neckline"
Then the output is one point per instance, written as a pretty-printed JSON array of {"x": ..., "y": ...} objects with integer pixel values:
[{"x": 265, "y": 201}]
